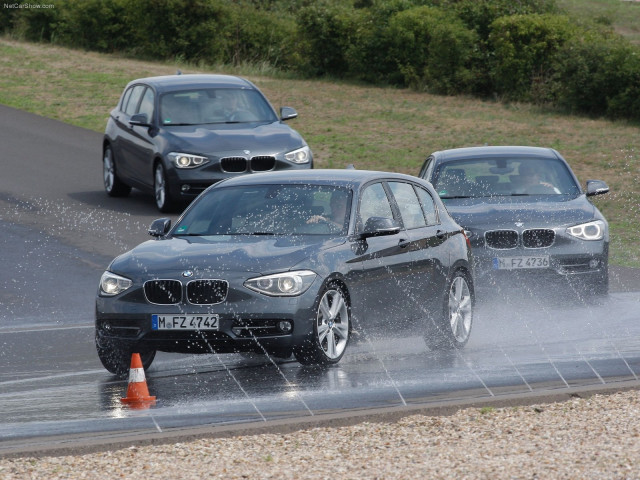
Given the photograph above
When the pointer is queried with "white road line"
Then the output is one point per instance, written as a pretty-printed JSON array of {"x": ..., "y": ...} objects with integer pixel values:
[{"x": 44, "y": 328}]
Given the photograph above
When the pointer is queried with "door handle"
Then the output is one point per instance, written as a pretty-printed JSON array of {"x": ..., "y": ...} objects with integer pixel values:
[{"x": 403, "y": 243}]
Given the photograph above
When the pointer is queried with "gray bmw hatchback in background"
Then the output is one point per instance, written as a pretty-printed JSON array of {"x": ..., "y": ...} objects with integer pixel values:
[
  {"x": 290, "y": 262},
  {"x": 176, "y": 135},
  {"x": 529, "y": 221}
]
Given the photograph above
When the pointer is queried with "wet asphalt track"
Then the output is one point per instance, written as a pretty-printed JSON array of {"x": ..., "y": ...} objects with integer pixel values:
[{"x": 59, "y": 231}]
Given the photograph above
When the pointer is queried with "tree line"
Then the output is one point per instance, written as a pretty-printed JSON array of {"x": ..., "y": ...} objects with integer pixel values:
[{"x": 513, "y": 50}]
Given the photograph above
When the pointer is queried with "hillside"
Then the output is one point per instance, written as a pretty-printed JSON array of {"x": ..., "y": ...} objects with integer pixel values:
[{"x": 373, "y": 128}]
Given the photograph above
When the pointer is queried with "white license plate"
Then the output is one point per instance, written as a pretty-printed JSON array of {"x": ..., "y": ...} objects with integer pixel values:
[
  {"x": 185, "y": 322},
  {"x": 519, "y": 263}
]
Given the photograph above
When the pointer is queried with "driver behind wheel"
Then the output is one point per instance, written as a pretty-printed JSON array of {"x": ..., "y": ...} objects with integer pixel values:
[
  {"x": 531, "y": 180},
  {"x": 337, "y": 216}
]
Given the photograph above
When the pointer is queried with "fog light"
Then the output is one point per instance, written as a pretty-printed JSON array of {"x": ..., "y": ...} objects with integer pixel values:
[
  {"x": 285, "y": 326},
  {"x": 186, "y": 188},
  {"x": 594, "y": 263},
  {"x": 106, "y": 326}
]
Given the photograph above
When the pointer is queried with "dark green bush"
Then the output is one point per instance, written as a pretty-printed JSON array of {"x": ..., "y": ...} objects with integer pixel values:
[
  {"x": 478, "y": 15},
  {"x": 368, "y": 54},
  {"x": 433, "y": 49},
  {"x": 599, "y": 73},
  {"x": 189, "y": 29},
  {"x": 33, "y": 24},
  {"x": 98, "y": 25},
  {"x": 523, "y": 49},
  {"x": 260, "y": 36},
  {"x": 325, "y": 29}
]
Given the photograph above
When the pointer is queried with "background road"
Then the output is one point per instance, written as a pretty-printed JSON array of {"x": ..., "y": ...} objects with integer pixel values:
[{"x": 59, "y": 231}]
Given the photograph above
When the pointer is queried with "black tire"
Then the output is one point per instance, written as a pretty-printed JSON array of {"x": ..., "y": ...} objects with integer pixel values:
[
  {"x": 117, "y": 359},
  {"x": 161, "y": 192},
  {"x": 452, "y": 327},
  {"x": 112, "y": 184},
  {"x": 329, "y": 339}
]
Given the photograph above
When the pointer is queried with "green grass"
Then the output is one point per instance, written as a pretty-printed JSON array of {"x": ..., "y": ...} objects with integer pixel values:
[
  {"x": 370, "y": 127},
  {"x": 623, "y": 16}
]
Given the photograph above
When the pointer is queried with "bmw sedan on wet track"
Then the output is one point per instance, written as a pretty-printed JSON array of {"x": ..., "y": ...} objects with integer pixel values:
[
  {"x": 528, "y": 219},
  {"x": 290, "y": 263}
]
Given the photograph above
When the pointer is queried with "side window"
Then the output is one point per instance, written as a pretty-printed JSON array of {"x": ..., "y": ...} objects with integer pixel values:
[
  {"x": 408, "y": 204},
  {"x": 125, "y": 99},
  {"x": 374, "y": 203},
  {"x": 426, "y": 167},
  {"x": 134, "y": 99},
  {"x": 146, "y": 106},
  {"x": 428, "y": 206}
]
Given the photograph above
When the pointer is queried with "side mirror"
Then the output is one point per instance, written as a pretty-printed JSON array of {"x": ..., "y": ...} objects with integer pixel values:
[
  {"x": 287, "y": 113},
  {"x": 596, "y": 187},
  {"x": 380, "y": 226},
  {"x": 139, "y": 119},
  {"x": 160, "y": 227}
]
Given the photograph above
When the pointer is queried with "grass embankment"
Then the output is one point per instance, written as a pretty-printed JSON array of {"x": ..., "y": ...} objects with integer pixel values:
[{"x": 373, "y": 128}]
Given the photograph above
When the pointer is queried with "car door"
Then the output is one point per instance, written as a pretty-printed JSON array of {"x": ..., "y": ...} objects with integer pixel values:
[
  {"x": 122, "y": 140},
  {"x": 135, "y": 144},
  {"x": 142, "y": 147},
  {"x": 386, "y": 263},
  {"x": 429, "y": 257}
]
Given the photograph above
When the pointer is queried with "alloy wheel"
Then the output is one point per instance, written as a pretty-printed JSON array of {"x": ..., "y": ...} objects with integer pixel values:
[
  {"x": 460, "y": 309},
  {"x": 332, "y": 322},
  {"x": 159, "y": 187},
  {"x": 108, "y": 170}
]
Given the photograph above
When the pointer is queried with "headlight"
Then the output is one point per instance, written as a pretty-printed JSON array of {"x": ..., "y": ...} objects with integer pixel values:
[
  {"x": 112, "y": 284},
  {"x": 187, "y": 160},
  {"x": 301, "y": 155},
  {"x": 588, "y": 231},
  {"x": 288, "y": 284}
]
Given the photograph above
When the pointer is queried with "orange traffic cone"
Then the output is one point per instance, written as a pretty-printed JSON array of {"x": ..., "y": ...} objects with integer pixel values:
[{"x": 137, "y": 392}]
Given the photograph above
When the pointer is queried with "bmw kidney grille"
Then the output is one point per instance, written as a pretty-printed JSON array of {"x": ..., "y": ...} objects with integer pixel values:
[{"x": 198, "y": 292}]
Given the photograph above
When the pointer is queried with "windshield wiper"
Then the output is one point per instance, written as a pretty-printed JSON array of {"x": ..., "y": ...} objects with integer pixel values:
[{"x": 446, "y": 197}]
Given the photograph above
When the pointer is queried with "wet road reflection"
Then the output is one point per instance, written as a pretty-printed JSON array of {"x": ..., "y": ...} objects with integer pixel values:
[{"x": 511, "y": 351}]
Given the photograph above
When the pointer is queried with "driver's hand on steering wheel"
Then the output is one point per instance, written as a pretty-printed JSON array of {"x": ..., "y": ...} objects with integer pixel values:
[{"x": 318, "y": 219}]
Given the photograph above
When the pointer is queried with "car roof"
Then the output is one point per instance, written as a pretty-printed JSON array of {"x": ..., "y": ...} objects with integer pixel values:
[
  {"x": 496, "y": 151},
  {"x": 167, "y": 83},
  {"x": 346, "y": 177}
]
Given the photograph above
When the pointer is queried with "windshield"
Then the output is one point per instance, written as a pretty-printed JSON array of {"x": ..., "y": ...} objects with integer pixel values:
[
  {"x": 504, "y": 177},
  {"x": 269, "y": 210},
  {"x": 214, "y": 105}
]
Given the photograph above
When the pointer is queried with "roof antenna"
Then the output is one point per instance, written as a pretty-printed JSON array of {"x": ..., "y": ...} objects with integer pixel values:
[
  {"x": 178, "y": 72},
  {"x": 350, "y": 167}
]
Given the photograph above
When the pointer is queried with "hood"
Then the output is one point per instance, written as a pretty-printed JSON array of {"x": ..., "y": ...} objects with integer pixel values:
[
  {"x": 208, "y": 255},
  {"x": 488, "y": 213},
  {"x": 217, "y": 139}
]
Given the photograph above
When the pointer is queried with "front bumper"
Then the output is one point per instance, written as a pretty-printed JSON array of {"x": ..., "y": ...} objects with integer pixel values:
[
  {"x": 570, "y": 262},
  {"x": 248, "y": 321}
]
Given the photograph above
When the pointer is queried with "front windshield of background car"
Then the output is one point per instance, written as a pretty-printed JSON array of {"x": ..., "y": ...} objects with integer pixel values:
[
  {"x": 214, "y": 105},
  {"x": 269, "y": 210},
  {"x": 489, "y": 177}
]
